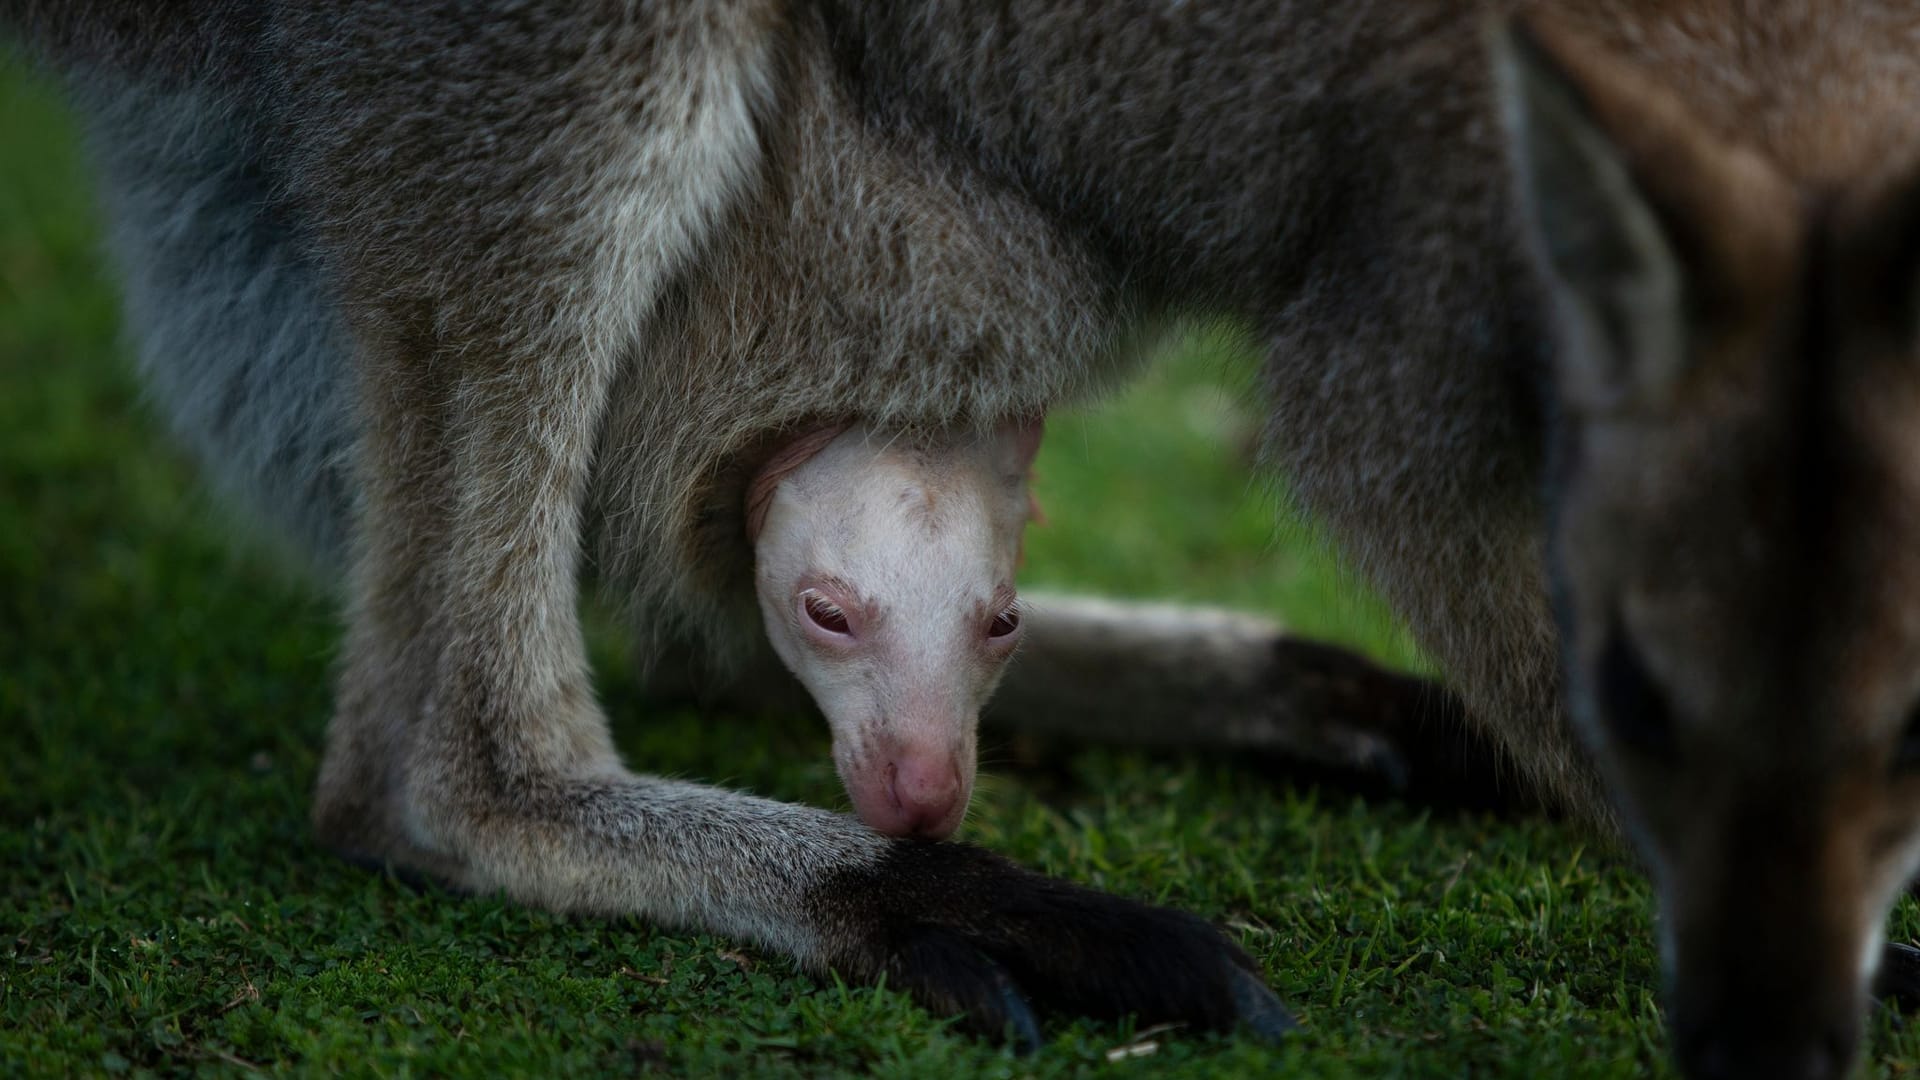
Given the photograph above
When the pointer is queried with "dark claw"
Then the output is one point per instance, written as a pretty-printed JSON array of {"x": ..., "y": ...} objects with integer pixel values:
[
  {"x": 1022, "y": 1026},
  {"x": 1390, "y": 766},
  {"x": 949, "y": 976},
  {"x": 405, "y": 876},
  {"x": 1898, "y": 981},
  {"x": 1260, "y": 1009},
  {"x": 968, "y": 933}
]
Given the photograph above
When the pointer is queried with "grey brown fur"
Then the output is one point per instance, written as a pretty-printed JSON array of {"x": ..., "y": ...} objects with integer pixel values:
[{"x": 592, "y": 261}]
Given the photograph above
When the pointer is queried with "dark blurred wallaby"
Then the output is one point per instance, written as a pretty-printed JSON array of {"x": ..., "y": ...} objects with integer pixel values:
[{"x": 1592, "y": 341}]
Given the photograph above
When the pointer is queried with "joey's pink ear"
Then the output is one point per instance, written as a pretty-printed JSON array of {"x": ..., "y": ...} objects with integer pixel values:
[
  {"x": 1023, "y": 436},
  {"x": 789, "y": 457}
]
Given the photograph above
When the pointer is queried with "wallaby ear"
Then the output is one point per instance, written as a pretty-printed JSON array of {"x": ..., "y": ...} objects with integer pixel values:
[
  {"x": 1017, "y": 443},
  {"x": 1643, "y": 221},
  {"x": 1882, "y": 266},
  {"x": 1615, "y": 273},
  {"x": 1020, "y": 443},
  {"x": 790, "y": 456}
]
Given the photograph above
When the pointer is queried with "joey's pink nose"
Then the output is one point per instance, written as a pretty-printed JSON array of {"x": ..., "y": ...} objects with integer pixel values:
[{"x": 919, "y": 794}]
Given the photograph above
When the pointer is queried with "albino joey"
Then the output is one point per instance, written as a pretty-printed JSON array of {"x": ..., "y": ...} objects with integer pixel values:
[{"x": 884, "y": 566}]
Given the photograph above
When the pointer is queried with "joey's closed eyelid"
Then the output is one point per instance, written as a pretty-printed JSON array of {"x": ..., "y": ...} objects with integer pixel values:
[
  {"x": 1006, "y": 621},
  {"x": 824, "y": 614}
]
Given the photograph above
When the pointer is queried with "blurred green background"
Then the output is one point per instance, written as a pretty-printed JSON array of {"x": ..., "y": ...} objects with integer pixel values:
[{"x": 163, "y": 690}]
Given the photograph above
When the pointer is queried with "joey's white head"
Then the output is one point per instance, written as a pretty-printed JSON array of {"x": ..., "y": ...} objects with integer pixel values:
[{"x": 885, "y": 572}]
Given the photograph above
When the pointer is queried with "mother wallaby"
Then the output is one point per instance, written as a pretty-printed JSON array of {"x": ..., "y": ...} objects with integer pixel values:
[{"x": 1623, "y": 302}]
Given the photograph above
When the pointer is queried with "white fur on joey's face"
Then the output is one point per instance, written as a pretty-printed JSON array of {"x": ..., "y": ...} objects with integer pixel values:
[{"x": 884, "y": 569}]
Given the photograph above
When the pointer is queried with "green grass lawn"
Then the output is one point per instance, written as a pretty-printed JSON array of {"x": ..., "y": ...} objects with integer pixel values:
[{"x": 163, "y": 690}]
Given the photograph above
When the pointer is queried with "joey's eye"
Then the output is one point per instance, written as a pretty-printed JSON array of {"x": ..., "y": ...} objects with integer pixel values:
[
  {"x": 1633, "y": 707},
  {"x": 825, "y": 614},
  {"x": 1005, "y": 623}
]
